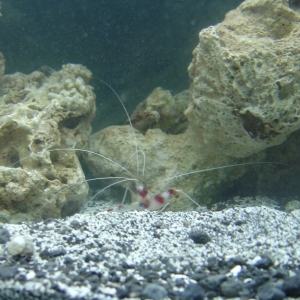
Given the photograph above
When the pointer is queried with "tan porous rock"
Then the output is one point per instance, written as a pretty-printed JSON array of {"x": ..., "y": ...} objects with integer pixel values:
[
  {"x": 161, "y": 110},
  {"x": 244, "y": 98},
  {"x": 44, "y": 110},
  {"x": 246, "y": 80}
]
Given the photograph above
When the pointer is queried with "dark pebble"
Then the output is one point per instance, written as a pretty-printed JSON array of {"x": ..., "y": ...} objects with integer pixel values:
[
  {"x": 198, "y": 235},
  {"x": 136, "y": 289},
  {"x": 4, "y": 235},
  {"x": 198, "y": 276},
  {"x": 231, "y": 288},
  {"x": 292, "y": 286},
  {"x": 211, "y": 294},
  {"x": 264, "y": 263},
  {"x": 75, "y": 224},
  {"x": 7, "y": 272},
  {"x": 236, "y": 261},
  {"x": 48, "y": 253},
  {"x": 68, "y": 260},
  {"x": 213, "y": 282},
  {"x": 225, "y": 222},
  {"x": 280, "y": 273},
  {"x": 122, "y": 293},
  {"x": 212, "y": 264},
  {"x": 125, "y": 265},
  {"x": 164, "y": 275},
  {"x": 154, "y": 291},
  {"x": 179, "y": 282},
  {"x": 270, "y": 292},
  {"x": 93, "y": 279},
  {"x": 114, "y": 278},
  {"x": 50, "y": 266},
  {"x": 193, "y": 292},
  {"x": 239, "y": 222},
  {"x": 40, "y": 274}
]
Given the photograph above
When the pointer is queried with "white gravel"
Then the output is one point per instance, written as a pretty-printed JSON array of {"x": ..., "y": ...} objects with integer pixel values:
[{"x": 140, "y": 238}]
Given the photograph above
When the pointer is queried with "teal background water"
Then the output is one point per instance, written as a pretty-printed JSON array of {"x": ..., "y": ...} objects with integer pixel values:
[{"x": 134, "y": 45}]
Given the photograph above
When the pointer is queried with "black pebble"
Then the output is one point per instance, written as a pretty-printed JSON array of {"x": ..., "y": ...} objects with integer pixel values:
[
  {"x": 48, "y": 253},
  {"x": 198, "y": 235},
  {"x": 179, "y": 282},
  {"x": 264, "y": 263},
  {"x": 280, "y": 273},
  {"x": 270, "y": 292},
  {"x": 193, "y": 292},
  {"x": 154, "y": 291},
  {"x": 239, "y": 222},
  {"x": 122, "y": 292},
  {"x": 211, "y": 294},
  {"x": 213, "y": 282},
  {"x": 292, "y": 286},
  {"x": 7, "y": 272},
  {"x": 236, "y": 261},
  {"x": 68, "y": 260},
  {"x": 4, "y": 235},
  {"x": 75, "y": 224},
  {"x": 231, "y": 288},
  {"x": 94, "y": 281}
]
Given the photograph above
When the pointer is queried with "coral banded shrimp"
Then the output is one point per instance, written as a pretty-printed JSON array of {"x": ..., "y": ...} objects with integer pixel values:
[
  {"x": 158, "y": 169},
  {"x": 144, "y": 198}
]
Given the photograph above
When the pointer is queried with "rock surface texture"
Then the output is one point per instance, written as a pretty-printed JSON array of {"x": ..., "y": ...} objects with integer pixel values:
[
  {"x": 162, "y": 110},
  {"x": 246, "y": 79},
  {"x": 244, "y": 98},
  {"x": 44, "y": 110}
]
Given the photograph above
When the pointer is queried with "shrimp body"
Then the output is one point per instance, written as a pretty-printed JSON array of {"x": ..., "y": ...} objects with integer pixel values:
[{"x": 150, "y": 202}]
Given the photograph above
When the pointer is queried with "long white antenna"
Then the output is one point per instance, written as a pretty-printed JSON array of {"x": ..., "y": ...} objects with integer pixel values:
[
  {"x": 92, "y": 152},
  {"x": 217, "y": 168},
  {"x": 132, "y": 130}
]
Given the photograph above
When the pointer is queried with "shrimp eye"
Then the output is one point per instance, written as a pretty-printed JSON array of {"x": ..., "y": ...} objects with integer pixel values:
[
  {"x": 172, "y": 192},
  {"x": 144, "y": 204}
]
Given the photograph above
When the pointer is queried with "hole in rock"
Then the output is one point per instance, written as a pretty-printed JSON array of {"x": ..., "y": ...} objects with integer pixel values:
[
  {"x": 70, "y": 123},
  {"x": 14, "y": 160},
  {"x": 50, "y": 177},
  {"x": 20, "y": 206}
]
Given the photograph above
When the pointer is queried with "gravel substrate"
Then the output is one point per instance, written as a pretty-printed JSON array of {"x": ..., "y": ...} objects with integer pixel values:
[{"x": 249, "y": 252}]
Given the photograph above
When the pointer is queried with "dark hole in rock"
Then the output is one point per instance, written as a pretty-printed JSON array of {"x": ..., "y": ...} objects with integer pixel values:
[
  {"x": 46, "y": 185},
  {"x": 70, "y": 123},
  {"x": 15, "y": 161},
  {"x": 20, "y": 206},
  {"x": 46, "y": 70},
  {"x": 54, "y": 157},
  {"x": 49, "y": 177},
  {"x": 278, "y": 85},
  {"x": 64, "y": 180},
  {"x": 255, "y": 126},
  {"x": 38, "y": 142}
]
